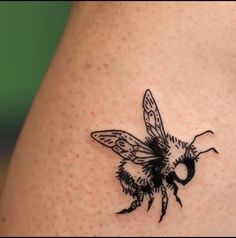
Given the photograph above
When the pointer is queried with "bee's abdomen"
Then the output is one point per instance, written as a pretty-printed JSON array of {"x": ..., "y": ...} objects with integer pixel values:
[
  {"x": 127, "y": 182},
  {"x": 133, "y": 178}
]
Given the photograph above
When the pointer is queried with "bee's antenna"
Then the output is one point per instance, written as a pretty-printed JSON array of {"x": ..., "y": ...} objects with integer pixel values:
[
  {"x": 195, "y": 137},
  {"x": 205, "y": 151}
]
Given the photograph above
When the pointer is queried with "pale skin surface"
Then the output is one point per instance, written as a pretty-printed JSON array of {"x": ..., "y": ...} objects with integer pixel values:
[{"x": 61, "y": 182}]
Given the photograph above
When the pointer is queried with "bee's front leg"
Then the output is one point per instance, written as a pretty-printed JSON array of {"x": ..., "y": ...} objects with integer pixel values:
[
  {"x": 136, "y": 203},
  {"x": 164, "y": 202},
  {"x": 175, "y": 187}
]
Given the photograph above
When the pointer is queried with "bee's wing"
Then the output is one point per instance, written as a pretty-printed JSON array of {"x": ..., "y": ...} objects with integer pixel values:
[
  {"x": 152, "y": 118},
  {"x": 124, "y": 144}
]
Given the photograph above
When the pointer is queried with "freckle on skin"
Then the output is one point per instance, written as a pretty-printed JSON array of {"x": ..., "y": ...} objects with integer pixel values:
[
  {"x": 88, "y": 65},
  {"x": 69, "y": 60}
]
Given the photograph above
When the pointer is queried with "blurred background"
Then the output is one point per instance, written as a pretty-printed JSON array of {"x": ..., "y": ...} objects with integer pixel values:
[{"x": 30, "y": 33}]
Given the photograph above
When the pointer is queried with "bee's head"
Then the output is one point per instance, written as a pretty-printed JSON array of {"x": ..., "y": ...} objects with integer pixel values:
[{"x": 188, "y": 158}]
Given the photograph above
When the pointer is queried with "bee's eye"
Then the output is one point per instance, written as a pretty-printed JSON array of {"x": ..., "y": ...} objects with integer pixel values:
[
  {"x": 181, "y": 171},
  {"x": 184, "y": 171}
]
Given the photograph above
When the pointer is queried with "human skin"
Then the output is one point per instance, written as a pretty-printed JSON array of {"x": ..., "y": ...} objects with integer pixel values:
[{"x": 62, "y": 182}]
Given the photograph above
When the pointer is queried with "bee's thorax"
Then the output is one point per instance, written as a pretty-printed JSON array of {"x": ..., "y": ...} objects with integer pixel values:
[{"x": 176, "y": 150}]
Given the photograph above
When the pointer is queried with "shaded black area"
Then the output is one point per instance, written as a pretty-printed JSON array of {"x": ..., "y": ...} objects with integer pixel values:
[{"x": 158, "y": 150}]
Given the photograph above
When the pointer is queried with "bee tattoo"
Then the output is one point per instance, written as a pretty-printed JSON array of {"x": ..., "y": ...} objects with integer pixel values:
[{"x": 149, "y": 167}]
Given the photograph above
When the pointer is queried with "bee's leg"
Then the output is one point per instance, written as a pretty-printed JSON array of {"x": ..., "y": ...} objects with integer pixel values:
[
  {"x": 164, "y": 202},
  {"x": 136, "y": 203},
  {"x": 151, "y": 198},
  {"x": 175, "y": 187}
]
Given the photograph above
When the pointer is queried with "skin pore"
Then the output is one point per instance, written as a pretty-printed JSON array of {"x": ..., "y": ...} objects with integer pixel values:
[{"x": 61, "y": 182}]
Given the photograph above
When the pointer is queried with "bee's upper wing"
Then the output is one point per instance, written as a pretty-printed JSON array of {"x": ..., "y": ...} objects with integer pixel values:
[
  {"x": 152, "y": 118},
  {"x": 124, "y": 144}
]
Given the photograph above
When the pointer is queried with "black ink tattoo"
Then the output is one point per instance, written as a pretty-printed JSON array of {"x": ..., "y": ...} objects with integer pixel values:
[{"x": 149, "y": 167}]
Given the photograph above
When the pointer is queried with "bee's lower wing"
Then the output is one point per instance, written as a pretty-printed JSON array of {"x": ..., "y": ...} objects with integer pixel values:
[
  {"x": 124, "y": 144},
  {"x": 152, "y": 118}
]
